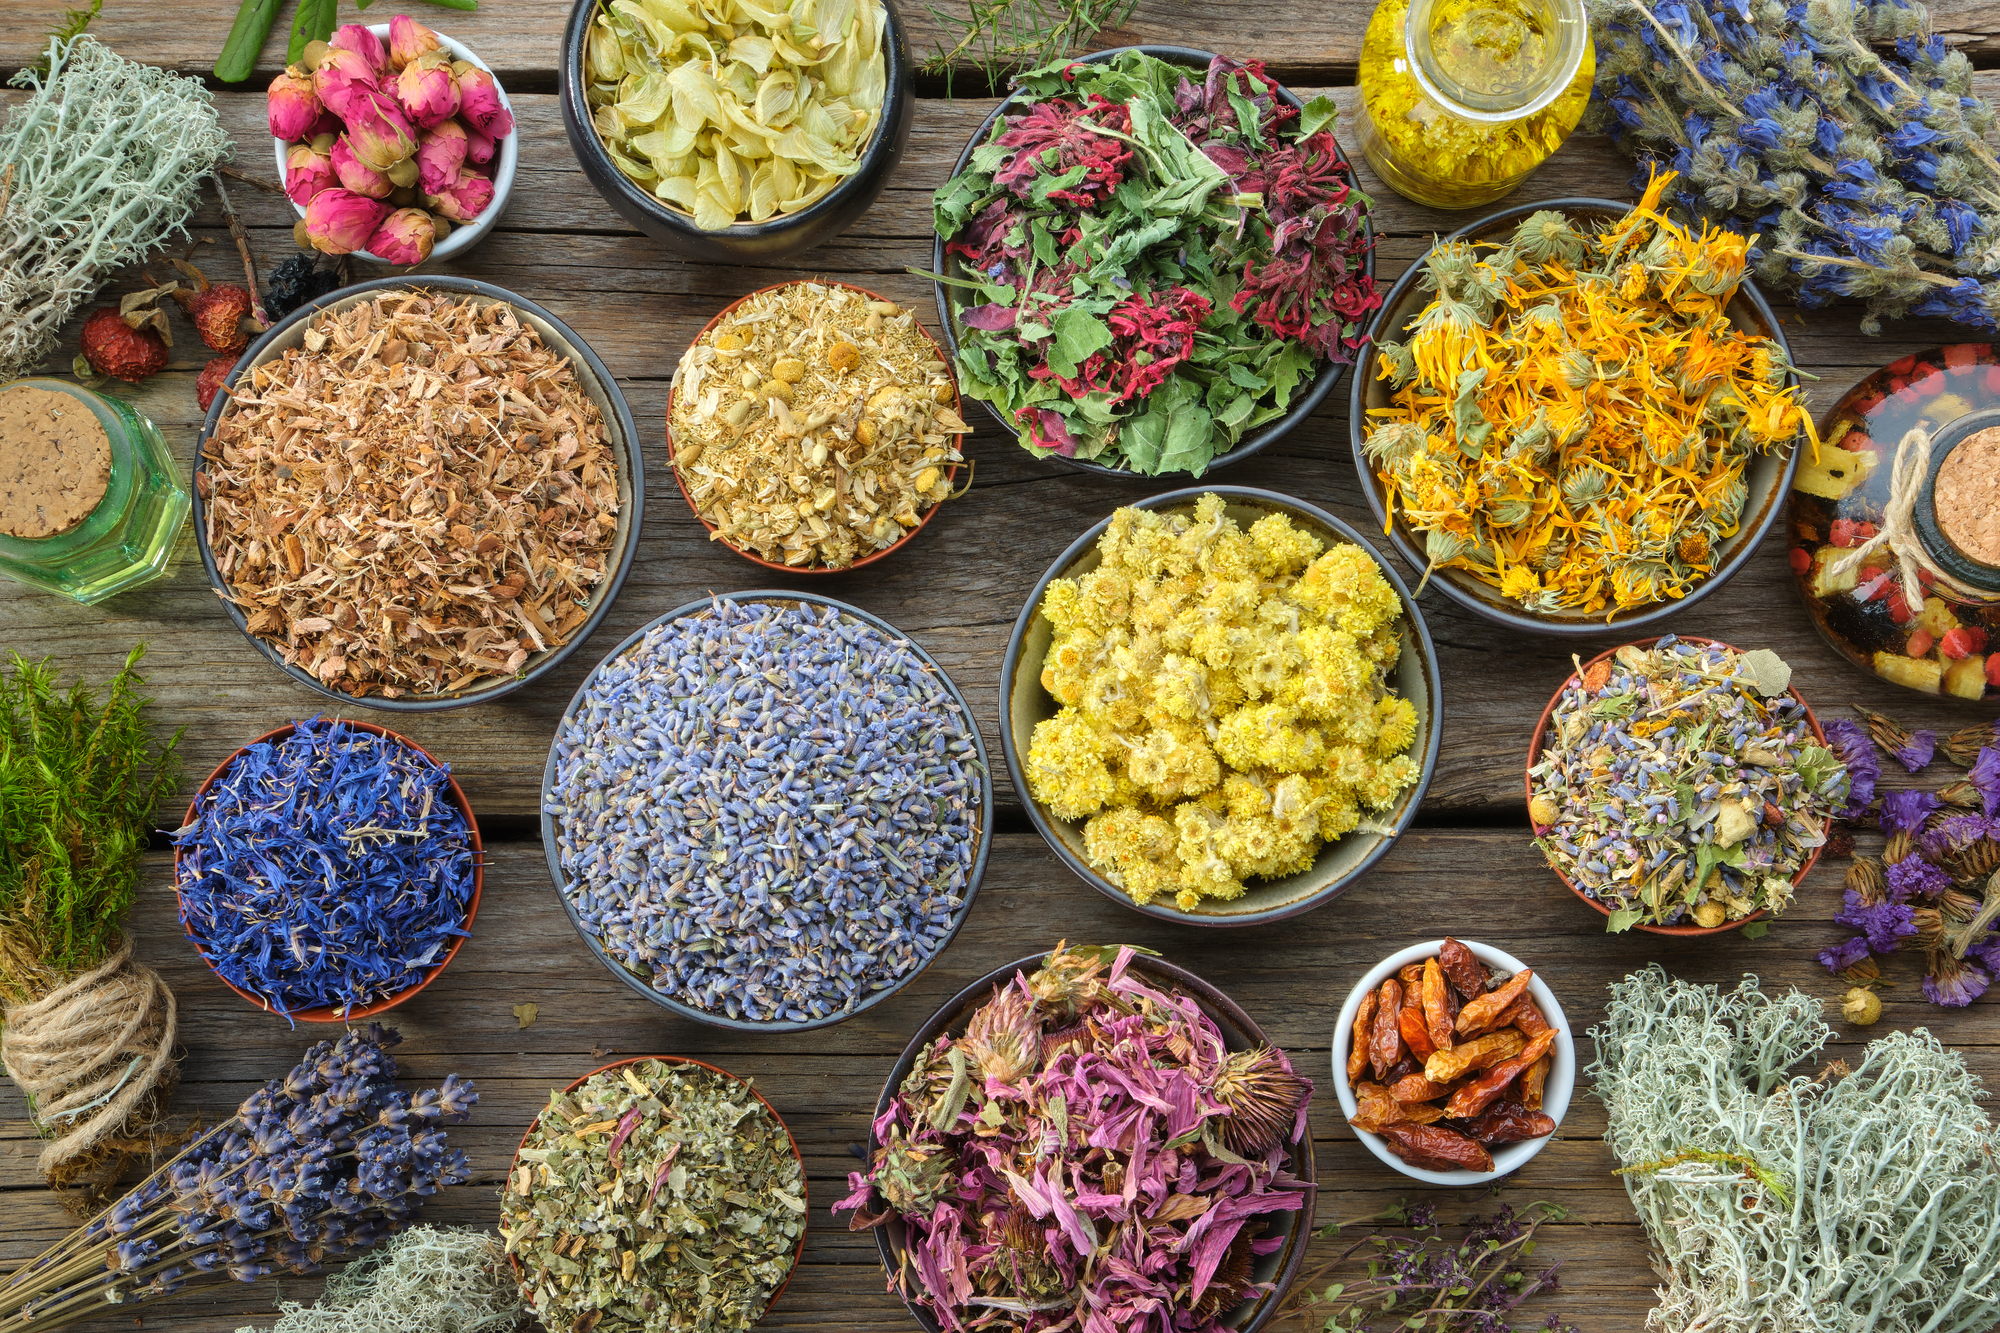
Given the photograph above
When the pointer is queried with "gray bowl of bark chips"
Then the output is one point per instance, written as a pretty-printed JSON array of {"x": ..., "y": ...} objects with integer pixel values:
[{"x": 597, "y": 383}]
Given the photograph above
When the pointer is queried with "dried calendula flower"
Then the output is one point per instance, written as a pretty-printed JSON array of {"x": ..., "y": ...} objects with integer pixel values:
[
  {"x": 733, "y": 110},
  {"x": 416, "y": 500},
  {"x": 814, "y": 424}
]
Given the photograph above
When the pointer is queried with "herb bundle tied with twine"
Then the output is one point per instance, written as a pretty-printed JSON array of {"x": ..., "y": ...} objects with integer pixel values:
[{"x": 87, "y": 1031}]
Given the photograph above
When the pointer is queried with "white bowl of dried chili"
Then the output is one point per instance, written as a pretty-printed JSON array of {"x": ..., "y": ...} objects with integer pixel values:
[{"x": 1557, "y": 1088}]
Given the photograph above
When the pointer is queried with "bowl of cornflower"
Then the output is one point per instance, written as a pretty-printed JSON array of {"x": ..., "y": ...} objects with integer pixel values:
[
  {"x": 1577, "y": 415},
  {"x": 328, "y": 870},
  {"x": 1682, "y": 787},
  {"x": 1227, "y": 751},
  {"x": 1136, "y": 282}
]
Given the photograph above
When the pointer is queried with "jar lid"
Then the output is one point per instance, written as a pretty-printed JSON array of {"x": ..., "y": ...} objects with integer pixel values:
[{"x": 1962, "y": 502}]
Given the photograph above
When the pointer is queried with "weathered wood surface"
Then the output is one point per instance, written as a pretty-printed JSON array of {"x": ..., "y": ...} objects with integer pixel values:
[
  {"x": 1469, "y": 870},
  {"x": 1488, "y": 885}
]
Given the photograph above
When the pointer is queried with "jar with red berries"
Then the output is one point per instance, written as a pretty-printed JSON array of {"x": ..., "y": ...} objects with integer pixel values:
[{"x": 1842, "y": 501}]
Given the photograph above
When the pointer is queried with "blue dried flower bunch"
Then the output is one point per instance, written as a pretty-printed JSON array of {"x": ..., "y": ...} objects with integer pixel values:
[
  {"x": 331, "y": 867},
  {"x": 325, "y": 1162},
  {"x": 1864, "y": 175}
]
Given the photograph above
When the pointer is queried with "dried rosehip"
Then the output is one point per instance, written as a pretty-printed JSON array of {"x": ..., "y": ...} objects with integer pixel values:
[
  {"x": 1920, "y": 643},
  {"x": 1801, "y": 560},
  {"x": 1962, "y": 642}
]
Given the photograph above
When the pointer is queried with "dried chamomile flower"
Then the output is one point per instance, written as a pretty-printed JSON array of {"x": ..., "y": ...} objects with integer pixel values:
[
  {"x": 732, "y": 110},
  {"x": 814, "y": 425}
]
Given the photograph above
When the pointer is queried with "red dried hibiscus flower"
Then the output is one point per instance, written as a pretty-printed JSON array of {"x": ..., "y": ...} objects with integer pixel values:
[{"x": 1055, "y": 137}]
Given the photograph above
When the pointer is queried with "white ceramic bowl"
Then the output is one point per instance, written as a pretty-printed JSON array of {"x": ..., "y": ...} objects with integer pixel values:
[
  {"x": 506, "y": 157},
  {"x": 1555, "y": 1092}
]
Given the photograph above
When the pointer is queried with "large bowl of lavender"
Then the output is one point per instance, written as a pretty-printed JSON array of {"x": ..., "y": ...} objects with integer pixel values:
[{"x": 1064, "y": 1061}]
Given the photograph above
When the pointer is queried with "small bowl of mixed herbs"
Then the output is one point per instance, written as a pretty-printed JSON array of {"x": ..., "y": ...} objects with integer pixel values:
[
  {"x": 1153, "y": 260},
  {"x": 1682, "y": 787}
]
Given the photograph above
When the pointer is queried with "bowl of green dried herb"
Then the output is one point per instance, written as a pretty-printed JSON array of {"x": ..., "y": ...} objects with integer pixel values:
[
  {"x": 637, "y": 1153},
  {"x": 1171, "y": 328}
]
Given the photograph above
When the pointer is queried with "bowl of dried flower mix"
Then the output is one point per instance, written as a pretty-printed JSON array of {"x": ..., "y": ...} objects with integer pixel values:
[
  {"x": 817, "y": 811},
  {"x": 839, "y": 392},
  {"x": 660, "y": 113},
  {"x": 328, "y": 870},
  {"x": 418, "y": 494},
  {"x": 1228, "y": 754},
  {"x": 710, "y": 1222},
  {"x": 1180, "y": 324},
  {"x": 1682, "y": 787},
  {"x": 1560, "y": 454},
  {"x": 1453, "y": 1062},
  {"x": 1206, "y": 1208}
]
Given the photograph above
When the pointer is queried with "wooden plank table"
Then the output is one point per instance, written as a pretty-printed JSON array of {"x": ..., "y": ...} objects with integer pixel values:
[{"x": 1467, "y": 869}]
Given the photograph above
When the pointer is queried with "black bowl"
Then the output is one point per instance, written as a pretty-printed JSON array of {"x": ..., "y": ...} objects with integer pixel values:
[
  {"x": 638, "y": 984},
  {"x": 597, "y": 382},
  {"x": 1239, "y": 1030},
  {"x": 745, "y": 242},
  {"x": 1767, "y": 478},
  {"x": 1023, "y": 703},
  {"x": 1303, "y": 404}
]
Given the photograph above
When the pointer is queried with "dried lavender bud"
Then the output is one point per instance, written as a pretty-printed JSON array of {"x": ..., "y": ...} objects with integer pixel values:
[
  {"x": 332, "y": 867},
  {"x": 769, "y": 812}
]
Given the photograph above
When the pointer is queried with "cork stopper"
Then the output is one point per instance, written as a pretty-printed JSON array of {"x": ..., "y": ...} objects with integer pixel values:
[
  {"x": 1967, "y": 496},
  {"x": 55, "y": 462}
]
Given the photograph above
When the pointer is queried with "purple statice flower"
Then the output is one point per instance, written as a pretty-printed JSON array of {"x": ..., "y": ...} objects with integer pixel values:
[
  {"x": 1906, "y": 811},
  {"x": 1953, "y": 982},
  {"x": 1953, "y": 834},
  {"x": 1844, "y": 955},
  {"x": 1913, "y": 877},
  {"x": 1850, "y": 741},
  {"x": 1985, "y": 777},
  {"x": 1916, "y": 753},
  {"x": 1886, "y": 925},
  {"x": 1985, "y": 951}
]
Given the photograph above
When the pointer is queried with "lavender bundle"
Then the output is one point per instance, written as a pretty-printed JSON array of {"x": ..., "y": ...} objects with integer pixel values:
[
  {"x": 327, "y": 1161},
  {"x": 1863, "y": 176}
]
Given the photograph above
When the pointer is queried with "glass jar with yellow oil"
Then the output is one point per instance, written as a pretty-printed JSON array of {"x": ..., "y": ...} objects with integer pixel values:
[{"x": 1462, "y": 99}]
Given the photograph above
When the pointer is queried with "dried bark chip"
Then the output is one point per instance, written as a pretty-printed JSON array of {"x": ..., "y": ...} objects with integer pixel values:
[
  {"x": 55, "y": 462},
  {"x": 415, "y": 501}
]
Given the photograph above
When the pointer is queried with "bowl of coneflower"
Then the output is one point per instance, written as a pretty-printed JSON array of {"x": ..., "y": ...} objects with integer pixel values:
[{"x": 1063, "y": 1062}]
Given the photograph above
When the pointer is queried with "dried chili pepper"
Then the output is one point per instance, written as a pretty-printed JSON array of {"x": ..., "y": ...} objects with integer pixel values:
[
  {"x": 1411, "y": 975},
  {"x": 1374, "y": 1108},
  {"x": 1463, "y": 968},
  {"x": 1485, "y": 1011},
  {"x": 1509, "y": 1122},
  {"x": 1477, "y": 1095},
  {"x": 1531, "y": 1084},
  {"x": 1385, "y": 1042},
  {"x": 1479, "y": 1053},
  {"x": 1357, "y": 1046},
  {"x": 1526, "y": 1015},
  {"x": 1401, "y": 1070},
  {"x": 1415, "y": 1034},
  {"x": 1440, "y": 1148},
  {"x": 1436, "y": 1014},
  {"x": 1417, "y": 1088}
]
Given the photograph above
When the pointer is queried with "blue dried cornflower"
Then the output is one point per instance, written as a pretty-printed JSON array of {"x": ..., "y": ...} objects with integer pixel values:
[
  {"x": 1886, "y": 925},
  {"x": 1985, "y": 777},
  {"x": 1906, "y": 811},
  {"x": 1850, "y": 740},
  {"x": 1914, "y": 877},
  {"x": 1845, "y": 954}
]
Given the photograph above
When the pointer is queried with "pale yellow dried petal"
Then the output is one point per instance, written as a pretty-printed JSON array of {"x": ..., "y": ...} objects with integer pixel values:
[
  {"x": 676, "y": 15},
  {"x": 677, "y": 190},
  {"x": 763, "y": 192},
  {"x": 754, "y": 51},
  {"x": 712, "y": 212},
  {"x": 644, "y": 100}
]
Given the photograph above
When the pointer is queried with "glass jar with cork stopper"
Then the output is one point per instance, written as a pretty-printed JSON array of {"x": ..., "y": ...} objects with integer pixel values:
[
  {"x": 89, "y": 503},
  {"x": 1462, "y": 99}
]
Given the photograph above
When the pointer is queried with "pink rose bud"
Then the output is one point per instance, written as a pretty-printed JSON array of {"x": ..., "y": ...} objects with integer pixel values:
[
  {"x": 327, "y": 124},
  {"x": 426, "y": 91},
  {"x": 465, "y": 198},
  {"x": 378, "y": 133},
  {"x": 357, "y": 175},
  {"x": 440, "y": 153},
  {"x": 342, "y": 81},
  {"x": 340, "y": 222},
  {"x": 405, "y": 237},
  {"x": 479, "y": 101},
  {"x": 409, "y": 39},
  {"x": 293, "y": 105},
  {"x": 479, "y": 148},
  {"x": 307, "y": 172},
  {"x": 355, "y": 37}
]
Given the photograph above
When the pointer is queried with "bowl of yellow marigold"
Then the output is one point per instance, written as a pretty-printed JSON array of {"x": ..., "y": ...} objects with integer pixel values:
[
  {"x": 1221, "y": 706},
  {"x": 1578, "y": 415}
]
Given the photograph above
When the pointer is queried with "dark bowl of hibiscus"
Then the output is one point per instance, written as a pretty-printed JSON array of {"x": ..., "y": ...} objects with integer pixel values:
[{"x": 1305, "y": 401}]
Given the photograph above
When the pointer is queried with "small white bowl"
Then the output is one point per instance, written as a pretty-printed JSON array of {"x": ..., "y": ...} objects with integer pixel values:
[
  {"x": 506, "y": 157},
  {"x": 1555, "y": 1092}
]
